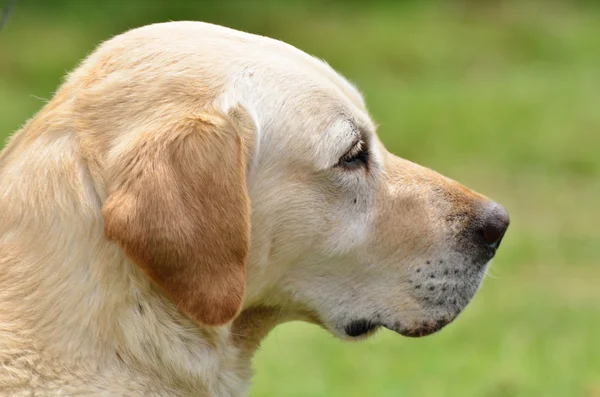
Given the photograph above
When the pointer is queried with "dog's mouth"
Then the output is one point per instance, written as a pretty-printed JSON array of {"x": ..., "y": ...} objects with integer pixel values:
[
  {"x": 360, "y": 328},
  {"x": 363, "y": 327}
]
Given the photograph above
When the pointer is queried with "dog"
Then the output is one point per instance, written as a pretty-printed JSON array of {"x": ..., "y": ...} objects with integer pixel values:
[{"x": 188, "y": 188}]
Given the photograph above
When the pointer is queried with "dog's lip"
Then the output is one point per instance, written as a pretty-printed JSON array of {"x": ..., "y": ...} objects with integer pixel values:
[
  {"x": 424, "y": 329},
  {"x": 361, "y": 327}
]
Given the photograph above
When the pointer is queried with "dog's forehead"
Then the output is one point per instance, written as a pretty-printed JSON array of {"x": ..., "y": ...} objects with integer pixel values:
[
  {"x": 322, "y": 124},
  {"x": 296, "y": 100},
  {"x": 310, "y": 112}
]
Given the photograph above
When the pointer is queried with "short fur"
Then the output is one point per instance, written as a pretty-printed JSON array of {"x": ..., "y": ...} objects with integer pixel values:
[{"x": 182, "y": 194}]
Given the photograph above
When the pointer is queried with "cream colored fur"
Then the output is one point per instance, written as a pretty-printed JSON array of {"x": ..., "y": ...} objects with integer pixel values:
[{"x": 79, "y": 314}]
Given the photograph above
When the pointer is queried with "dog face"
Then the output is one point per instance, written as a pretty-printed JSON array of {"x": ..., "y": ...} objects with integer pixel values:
[
  {"x": 357, "y": 237},
  {"x": 253, "y": 176}
]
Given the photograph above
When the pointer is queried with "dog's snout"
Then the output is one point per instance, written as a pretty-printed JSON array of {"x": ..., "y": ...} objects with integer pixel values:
[{"x": 494, "y": 223}]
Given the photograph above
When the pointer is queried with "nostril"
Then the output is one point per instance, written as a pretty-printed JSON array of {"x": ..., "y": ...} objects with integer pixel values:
[{"x": 495, "y": 223}]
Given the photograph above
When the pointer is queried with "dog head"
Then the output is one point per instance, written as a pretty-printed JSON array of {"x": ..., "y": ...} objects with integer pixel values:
[{"x": 238, "y": 171}]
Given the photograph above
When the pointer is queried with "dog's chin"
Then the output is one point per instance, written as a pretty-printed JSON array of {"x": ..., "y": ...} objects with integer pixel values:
[
  {"x": 425, "y": 328},
  {"x": 363, "y": 328},
  {"x": 441, "y": 294}
]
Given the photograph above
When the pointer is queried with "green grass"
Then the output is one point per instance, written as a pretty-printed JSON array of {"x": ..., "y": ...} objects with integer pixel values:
[{"x": 503, "y": 98}]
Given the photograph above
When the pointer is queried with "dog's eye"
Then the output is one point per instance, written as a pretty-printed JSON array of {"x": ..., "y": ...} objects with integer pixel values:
[{"x": 357, "y": 156}]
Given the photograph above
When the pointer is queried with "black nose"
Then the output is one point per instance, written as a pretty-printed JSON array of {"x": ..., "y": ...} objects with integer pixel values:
[{"x": 495, "y": 222}]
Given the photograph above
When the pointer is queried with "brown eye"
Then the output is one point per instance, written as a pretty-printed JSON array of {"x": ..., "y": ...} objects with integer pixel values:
[{"x": 356, "y": 157}]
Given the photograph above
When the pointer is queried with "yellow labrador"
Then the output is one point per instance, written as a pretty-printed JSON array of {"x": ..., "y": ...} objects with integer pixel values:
[{"x": 188, "y": 188}]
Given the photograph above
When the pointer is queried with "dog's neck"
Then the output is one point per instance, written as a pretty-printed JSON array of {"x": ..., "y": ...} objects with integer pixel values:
[
  {"x": 119, "y": 340},
  {"x": 76, "y": 311}
]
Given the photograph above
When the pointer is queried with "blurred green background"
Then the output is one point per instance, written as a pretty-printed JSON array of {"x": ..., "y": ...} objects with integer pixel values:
[{"x": 502, "y": 96}]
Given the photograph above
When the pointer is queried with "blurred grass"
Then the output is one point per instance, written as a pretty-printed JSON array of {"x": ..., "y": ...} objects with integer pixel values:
[{"x": 503, "y": 96}]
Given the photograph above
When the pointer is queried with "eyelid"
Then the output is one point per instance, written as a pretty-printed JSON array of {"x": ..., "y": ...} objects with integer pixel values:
[
  {"x": 356, "y": 147},
  {"x": 355, "y": 157}
]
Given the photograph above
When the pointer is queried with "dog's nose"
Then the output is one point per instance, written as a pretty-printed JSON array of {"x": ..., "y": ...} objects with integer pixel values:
[{"x": 495, "y": 223}]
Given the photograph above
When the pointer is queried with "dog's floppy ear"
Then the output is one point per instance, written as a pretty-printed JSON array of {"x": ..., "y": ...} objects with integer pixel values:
[{"x": 178, "y": 206}]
